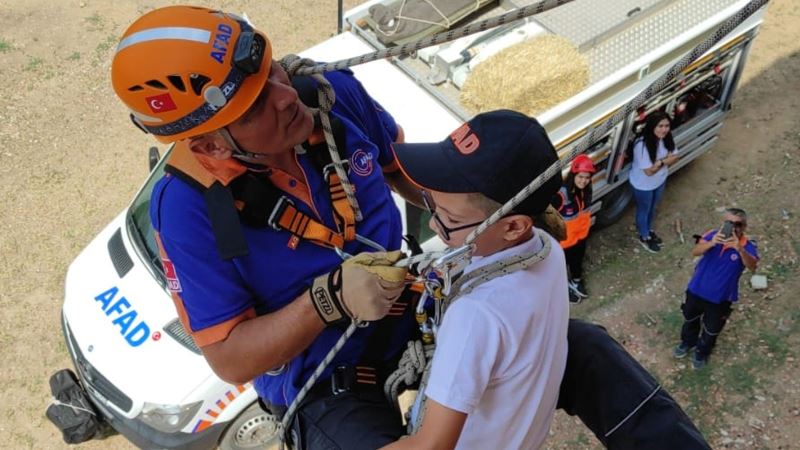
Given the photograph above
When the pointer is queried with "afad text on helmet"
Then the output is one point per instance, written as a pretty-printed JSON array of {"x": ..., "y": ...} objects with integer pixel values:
[{"x": 222, "y": 39}]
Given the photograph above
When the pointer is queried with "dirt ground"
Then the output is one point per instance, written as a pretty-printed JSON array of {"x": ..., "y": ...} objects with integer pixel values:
[{"x": 70, "y": 161}]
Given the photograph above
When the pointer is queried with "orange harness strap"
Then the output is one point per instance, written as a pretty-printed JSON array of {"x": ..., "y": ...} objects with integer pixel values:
[
  {"x": 304, "y": 227},
  {"x": 344, "y": 215}
]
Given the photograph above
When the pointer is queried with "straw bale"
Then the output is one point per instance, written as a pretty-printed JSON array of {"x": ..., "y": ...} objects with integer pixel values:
[{"x": 528, "y": 77}]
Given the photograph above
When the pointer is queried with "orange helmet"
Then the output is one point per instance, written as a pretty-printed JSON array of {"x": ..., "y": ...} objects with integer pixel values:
[
  {"x": 583, "y": 163},
  {"x": 184, "y": 71}
]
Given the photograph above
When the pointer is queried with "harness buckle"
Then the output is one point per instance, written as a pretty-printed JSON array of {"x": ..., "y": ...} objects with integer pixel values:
[
  {"x": 331, "y": 168},
  {"x": 342, "y": 379},
  {"x": 275, "y": 216}
]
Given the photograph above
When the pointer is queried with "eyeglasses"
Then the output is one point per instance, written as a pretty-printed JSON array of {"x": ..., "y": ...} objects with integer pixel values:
[{"x": 431, "y": 207}]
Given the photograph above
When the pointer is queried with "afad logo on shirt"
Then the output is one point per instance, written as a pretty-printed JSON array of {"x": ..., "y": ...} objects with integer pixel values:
[
  {"x": 173, "y": 284},
  {"x": 361, "y": 163},
  {"x": 734, "y": 256}
]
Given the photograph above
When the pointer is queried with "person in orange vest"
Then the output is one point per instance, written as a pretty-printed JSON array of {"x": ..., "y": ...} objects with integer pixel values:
[{"x": 572, "y": 202}]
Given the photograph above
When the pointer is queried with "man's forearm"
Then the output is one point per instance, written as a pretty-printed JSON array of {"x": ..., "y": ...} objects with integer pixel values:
[
  {"x": 265, "y": 342},
  {"x": 702, "y": 247},
  {"x": 748, "y": 260}
]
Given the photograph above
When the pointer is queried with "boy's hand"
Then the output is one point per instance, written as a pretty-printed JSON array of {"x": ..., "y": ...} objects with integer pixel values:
[{"x": 364, "y": 287}]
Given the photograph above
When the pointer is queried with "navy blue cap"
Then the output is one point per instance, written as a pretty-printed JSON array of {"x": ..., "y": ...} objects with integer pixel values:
[{"x": 497, "y": 154}]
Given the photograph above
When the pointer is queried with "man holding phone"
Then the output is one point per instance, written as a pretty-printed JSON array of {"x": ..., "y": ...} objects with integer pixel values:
[{"x": 714, "y": 287}]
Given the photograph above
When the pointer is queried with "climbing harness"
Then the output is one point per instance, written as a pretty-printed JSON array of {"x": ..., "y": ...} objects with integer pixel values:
[
  {"x": 417, "y": 357},
  {"x": 418, "y": 353}
]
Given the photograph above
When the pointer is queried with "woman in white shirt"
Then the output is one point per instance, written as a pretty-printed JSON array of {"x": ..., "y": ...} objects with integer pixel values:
[{"x": 653, "y": 153}]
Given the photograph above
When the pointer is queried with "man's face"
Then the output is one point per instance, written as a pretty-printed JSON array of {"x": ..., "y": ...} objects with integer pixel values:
[
  {"x": 277, "y": 120},
  {"x": 738, "y": 224}
]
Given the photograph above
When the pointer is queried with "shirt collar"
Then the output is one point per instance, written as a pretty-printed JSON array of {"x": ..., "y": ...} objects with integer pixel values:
[{"x": 533, "y": 244}]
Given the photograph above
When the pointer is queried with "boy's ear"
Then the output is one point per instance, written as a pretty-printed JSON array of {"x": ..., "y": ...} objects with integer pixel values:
[
  {"x": 516, "y": 227},
  {"x": 211, "y": 145}
]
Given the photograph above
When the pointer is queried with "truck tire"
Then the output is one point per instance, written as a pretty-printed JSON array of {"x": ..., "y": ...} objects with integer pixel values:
[
  {"x": 253, "y": 428},
  {"x": 614, "y": 204}
]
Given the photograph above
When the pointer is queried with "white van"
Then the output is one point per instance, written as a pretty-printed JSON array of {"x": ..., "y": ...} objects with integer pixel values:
[{"x": 143, "y": 371}]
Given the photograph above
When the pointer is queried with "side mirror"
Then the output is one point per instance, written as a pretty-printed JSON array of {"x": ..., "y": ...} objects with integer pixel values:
[{"x": 153, "y": 157}]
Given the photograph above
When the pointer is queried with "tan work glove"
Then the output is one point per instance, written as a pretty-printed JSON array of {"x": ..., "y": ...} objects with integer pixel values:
[{"x": 364, "y": 287}]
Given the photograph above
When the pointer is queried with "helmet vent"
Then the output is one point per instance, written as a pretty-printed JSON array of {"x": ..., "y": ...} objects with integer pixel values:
[
  {"x": 198, "y": 81},
  {"x": 135, "y": 88},
  {"x": 177, "y": 81},
  {"x": 156, "y": 84}
]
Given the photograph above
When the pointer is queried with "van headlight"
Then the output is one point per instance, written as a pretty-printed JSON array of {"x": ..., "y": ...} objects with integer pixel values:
[{"x": 168, "y": 418}]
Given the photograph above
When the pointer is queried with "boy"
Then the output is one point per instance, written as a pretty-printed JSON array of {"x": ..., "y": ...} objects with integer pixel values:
[{"x": 501, "y": 348}]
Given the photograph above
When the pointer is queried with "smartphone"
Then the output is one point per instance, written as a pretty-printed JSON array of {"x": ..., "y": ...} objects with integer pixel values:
[{"x": 727, "y": 229}]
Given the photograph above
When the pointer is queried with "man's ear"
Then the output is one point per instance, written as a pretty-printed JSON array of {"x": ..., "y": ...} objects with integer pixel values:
[
  {"x": 516, "y": 227},
  {"x": 211, "y": 145}
]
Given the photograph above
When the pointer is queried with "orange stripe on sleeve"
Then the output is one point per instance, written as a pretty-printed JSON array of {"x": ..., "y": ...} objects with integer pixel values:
[{"x": 220, "y": 331}]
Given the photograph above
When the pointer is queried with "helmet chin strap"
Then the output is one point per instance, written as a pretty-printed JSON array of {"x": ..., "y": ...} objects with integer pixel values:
[{"x": 238, "y": 152}]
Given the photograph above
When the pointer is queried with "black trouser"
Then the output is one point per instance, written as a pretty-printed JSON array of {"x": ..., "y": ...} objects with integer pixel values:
[
  {"x": 359, "y": 419},
  {"x": 618, "y": 399},
  {"x": 358, "y": 416},
  {"x": 574, "y": 256},
  {"x": 705, "y": 319}
]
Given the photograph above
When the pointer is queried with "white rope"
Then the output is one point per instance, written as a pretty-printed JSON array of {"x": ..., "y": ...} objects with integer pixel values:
[
  {"x": 440, "y": 38},
  {"x": 412, "y": 364},
  {"x": 327, "y": 97},
  {"x": 58, "y": 402}
]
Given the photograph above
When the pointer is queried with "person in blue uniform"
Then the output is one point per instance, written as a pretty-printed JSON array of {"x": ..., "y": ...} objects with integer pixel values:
[
  {"x": 254, "y": 225},
  {"x": 714, "y": 287}
]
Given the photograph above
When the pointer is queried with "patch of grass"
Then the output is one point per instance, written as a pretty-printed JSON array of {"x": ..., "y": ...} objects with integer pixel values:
[
  {"x": 581, "y": 441},
  {"x": 34, "y": 63},
  {"x": 5, "y": 46},
  {"x": 23, "y": 440},
  {"x": 670, "y": 323},
  {"x": 106, "y": 44},
  {"x": 699, "y": 386},
  {"x": 779, "y": 271},
  {"x": 74, "y": 56},
  {"x": 95, "y": 21},
  {"x": 740, "y": 377}
]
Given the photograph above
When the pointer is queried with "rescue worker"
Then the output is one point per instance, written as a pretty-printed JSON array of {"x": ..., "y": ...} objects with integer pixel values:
[
  {"x": 572, "y": 201},
  {"x": 253, "y": 224},
  {"x": 714, "y": 287}
]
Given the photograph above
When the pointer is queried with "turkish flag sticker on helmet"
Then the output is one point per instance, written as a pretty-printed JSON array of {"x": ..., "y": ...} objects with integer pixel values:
[{"x": 160, "y": 103}]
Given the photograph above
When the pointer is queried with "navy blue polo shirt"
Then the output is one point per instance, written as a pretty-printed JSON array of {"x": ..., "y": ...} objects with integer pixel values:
[
  {"x": 214, "y": 294},
  {"x": 716, "y": 276}
]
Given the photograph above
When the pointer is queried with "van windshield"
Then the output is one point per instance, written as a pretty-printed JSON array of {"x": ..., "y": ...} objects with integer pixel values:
[{"x": 139, "y": 226}]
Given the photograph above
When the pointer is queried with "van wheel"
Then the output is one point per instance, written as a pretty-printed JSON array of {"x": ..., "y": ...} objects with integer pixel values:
[
  {"x": 253, "y": 428},
  {"x": 614, "y": 204}
]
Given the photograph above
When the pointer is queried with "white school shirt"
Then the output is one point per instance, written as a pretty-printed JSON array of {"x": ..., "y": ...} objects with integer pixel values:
[
  {"x": 641, "y": 161},
  {"x": 501, "y": 352}
]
